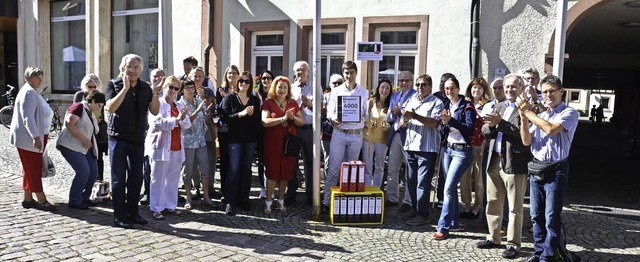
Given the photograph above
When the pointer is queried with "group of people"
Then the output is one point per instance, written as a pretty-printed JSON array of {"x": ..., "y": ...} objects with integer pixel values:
[{"x": 478, "y": 140}]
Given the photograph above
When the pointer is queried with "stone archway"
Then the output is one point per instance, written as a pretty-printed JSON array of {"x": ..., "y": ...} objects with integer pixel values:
[{"x": 574, "y": 16}]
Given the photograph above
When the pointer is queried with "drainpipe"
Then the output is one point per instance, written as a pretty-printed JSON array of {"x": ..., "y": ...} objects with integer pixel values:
[
  {"x": 474, "y": 55},
  {"x": 560, "y": 38},
  {"x": 210, "y": 41}
]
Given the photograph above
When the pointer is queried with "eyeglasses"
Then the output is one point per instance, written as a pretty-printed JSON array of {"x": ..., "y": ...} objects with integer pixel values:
[
  {"x": 421, "y": 85},
  {"x": 100, "y": 104},
  {"x": 404, "y": 80},
  {"x": 244, "y": 81},
  {"x": 549, "y": 92},
  {"x": 91, "y": 87},
  {"x": 266, "y": 78},
  {"x": 177, "y": 88},
  {"x": 337, "y": 83}
]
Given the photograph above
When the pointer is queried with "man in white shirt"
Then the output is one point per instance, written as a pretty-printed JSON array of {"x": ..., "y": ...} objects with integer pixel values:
[
  {"x": 302, "y": 92},
  {"x": 346, "y": 140}
]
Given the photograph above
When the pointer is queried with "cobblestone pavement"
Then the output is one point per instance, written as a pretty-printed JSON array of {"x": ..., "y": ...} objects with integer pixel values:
[{"x": 207, "y": 234}]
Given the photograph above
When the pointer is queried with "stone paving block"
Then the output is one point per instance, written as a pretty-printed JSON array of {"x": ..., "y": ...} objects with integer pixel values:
[{"x": 12, "y": 255}]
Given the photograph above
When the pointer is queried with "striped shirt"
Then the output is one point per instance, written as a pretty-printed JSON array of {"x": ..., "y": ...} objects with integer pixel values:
[
  {"x": 419, "y": 137},
  {"x": 554, "y": 148}
]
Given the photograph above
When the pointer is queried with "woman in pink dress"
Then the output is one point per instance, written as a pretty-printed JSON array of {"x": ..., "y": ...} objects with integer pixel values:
[{"x": 279, "y": 115}]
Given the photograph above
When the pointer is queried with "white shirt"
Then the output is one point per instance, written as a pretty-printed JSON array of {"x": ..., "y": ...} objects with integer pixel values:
[
  {"x": 297, "y": 91},
  {"x": 506, "y": 115},
  {"x": 341, "y": 90}
]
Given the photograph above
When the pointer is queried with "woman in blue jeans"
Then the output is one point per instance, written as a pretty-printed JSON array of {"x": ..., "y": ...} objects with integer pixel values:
[
  {"x": 458, "y": 118},
  {"x": 241, "y": 111},
  {"x": 77, "y": 144}
]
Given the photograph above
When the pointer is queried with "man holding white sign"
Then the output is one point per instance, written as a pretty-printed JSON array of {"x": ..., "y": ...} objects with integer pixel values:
[{"x": 346, "y": 109}]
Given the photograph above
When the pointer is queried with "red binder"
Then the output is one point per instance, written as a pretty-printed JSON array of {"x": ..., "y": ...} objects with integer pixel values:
[
  {"x": 361, "y": 176},
  {"x": 353, "y": 176},
  {"x": 345, "y": 168}
]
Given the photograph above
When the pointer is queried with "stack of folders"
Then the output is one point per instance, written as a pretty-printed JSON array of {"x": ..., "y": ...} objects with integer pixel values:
[
  {"x": 357, "y": 208},
  {"x": 352, "y": 176}
]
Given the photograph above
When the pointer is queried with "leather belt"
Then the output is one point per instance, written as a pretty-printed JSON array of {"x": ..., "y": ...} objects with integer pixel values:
[
  {"x": 309, "y": 126},
  {"x": 348, "y": 131},
  {"x": 458, "y": 146}
]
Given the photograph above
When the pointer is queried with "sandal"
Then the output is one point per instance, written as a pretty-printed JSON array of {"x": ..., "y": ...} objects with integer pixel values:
[
  {"x": 46, "y": 206},
  {"x": 187, "y": 205},
  {"x": 158, "y": 215},
  {"x": 29, "y": 204},
  {"x": 173, "y": 212}
]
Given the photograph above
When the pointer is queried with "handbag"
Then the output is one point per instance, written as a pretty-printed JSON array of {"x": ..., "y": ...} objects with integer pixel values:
[
  {"x": 538, "y": 168},
  {"x": 48, "y": 169},
  {"x": 100, "y": 191},
  {"x": 292, "y": 145}
]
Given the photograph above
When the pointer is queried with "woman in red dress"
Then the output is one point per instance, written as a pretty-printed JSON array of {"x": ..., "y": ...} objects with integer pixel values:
[{"x": 279, "y": 115}]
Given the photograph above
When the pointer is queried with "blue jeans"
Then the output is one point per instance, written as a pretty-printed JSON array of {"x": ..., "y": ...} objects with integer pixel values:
[
  {"x": 86, "y": 168},
  {"x": 126, "y": 176},
  {"x": 454, "y": 164},
  {"x": 420, "y": 170},
  {"x": 546, "y": 199},
  {"x": 238, "y": 180}
]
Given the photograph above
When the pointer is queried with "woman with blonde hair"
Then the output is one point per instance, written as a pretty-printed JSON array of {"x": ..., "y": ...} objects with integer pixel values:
[
  {"x": 279, "y": 115},
  {"x": 92, "y": 82},
  {"x": 165, "y": 148},
  {"x": 479, "y": 93},
  {"x": 229, "y": 85}
]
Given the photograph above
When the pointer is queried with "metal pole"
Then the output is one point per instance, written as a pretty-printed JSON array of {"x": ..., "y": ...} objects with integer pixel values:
[
  {"x": 317, "y": 105},
  {"x": 560, "y": 38},
  {"x": 475, "y": 38}
]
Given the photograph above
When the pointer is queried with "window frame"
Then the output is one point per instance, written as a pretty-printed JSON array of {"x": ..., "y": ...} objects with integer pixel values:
[
  {"x": 63, "y": 19},
  {"x": 329, "y": 51},
  {"x": 135, "y": 12},
  {"x": 397, "y": 50},
  {"x": 268, "y": 51}
]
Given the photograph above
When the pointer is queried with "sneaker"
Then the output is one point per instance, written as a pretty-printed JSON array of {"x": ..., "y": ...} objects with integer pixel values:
[
  {"x": 144, "y": 200},
  {"x": 325, "y": 209},
  {"x": 283, "y": 208},
  {"x": 404, "y": 208},
  {"x": 486, "y": 244},
  {"x": 440, "y": 236},
  {"x": 158, "y": 216},
  {"x": 229, "y": 210},
  {"x": 267, "y": 208},
  {"x": 503, "y": 232},
  {"x": 418, "y": 220},
  {"x": 263, "y": 193}
]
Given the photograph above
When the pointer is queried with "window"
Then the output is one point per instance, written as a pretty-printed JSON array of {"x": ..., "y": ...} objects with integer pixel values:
[
  {"x": 332, "y": 53},
  {"x": 400, "y": 52},
  {"x": 605, "y": 102},
  {"x": 134, "y": 30},
  {"x": 267, "y": 52},
  {"x": 575, "y": 96},
  {"x": 68, "y": 55}
]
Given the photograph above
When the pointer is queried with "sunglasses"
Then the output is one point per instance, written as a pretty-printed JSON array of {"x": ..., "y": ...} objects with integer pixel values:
[
  {"x": 91, "y": 87},
  {"x": 266, "y": 78},
  {"x": 421, "y": 85},
  {"x": 244, "y": 81},
  {"x": 177, "y": 88},
  {"x": 337, "y": 83}
]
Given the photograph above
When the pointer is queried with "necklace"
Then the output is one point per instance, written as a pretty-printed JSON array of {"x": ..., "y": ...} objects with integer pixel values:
[{"x": 281, "y": 103}]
